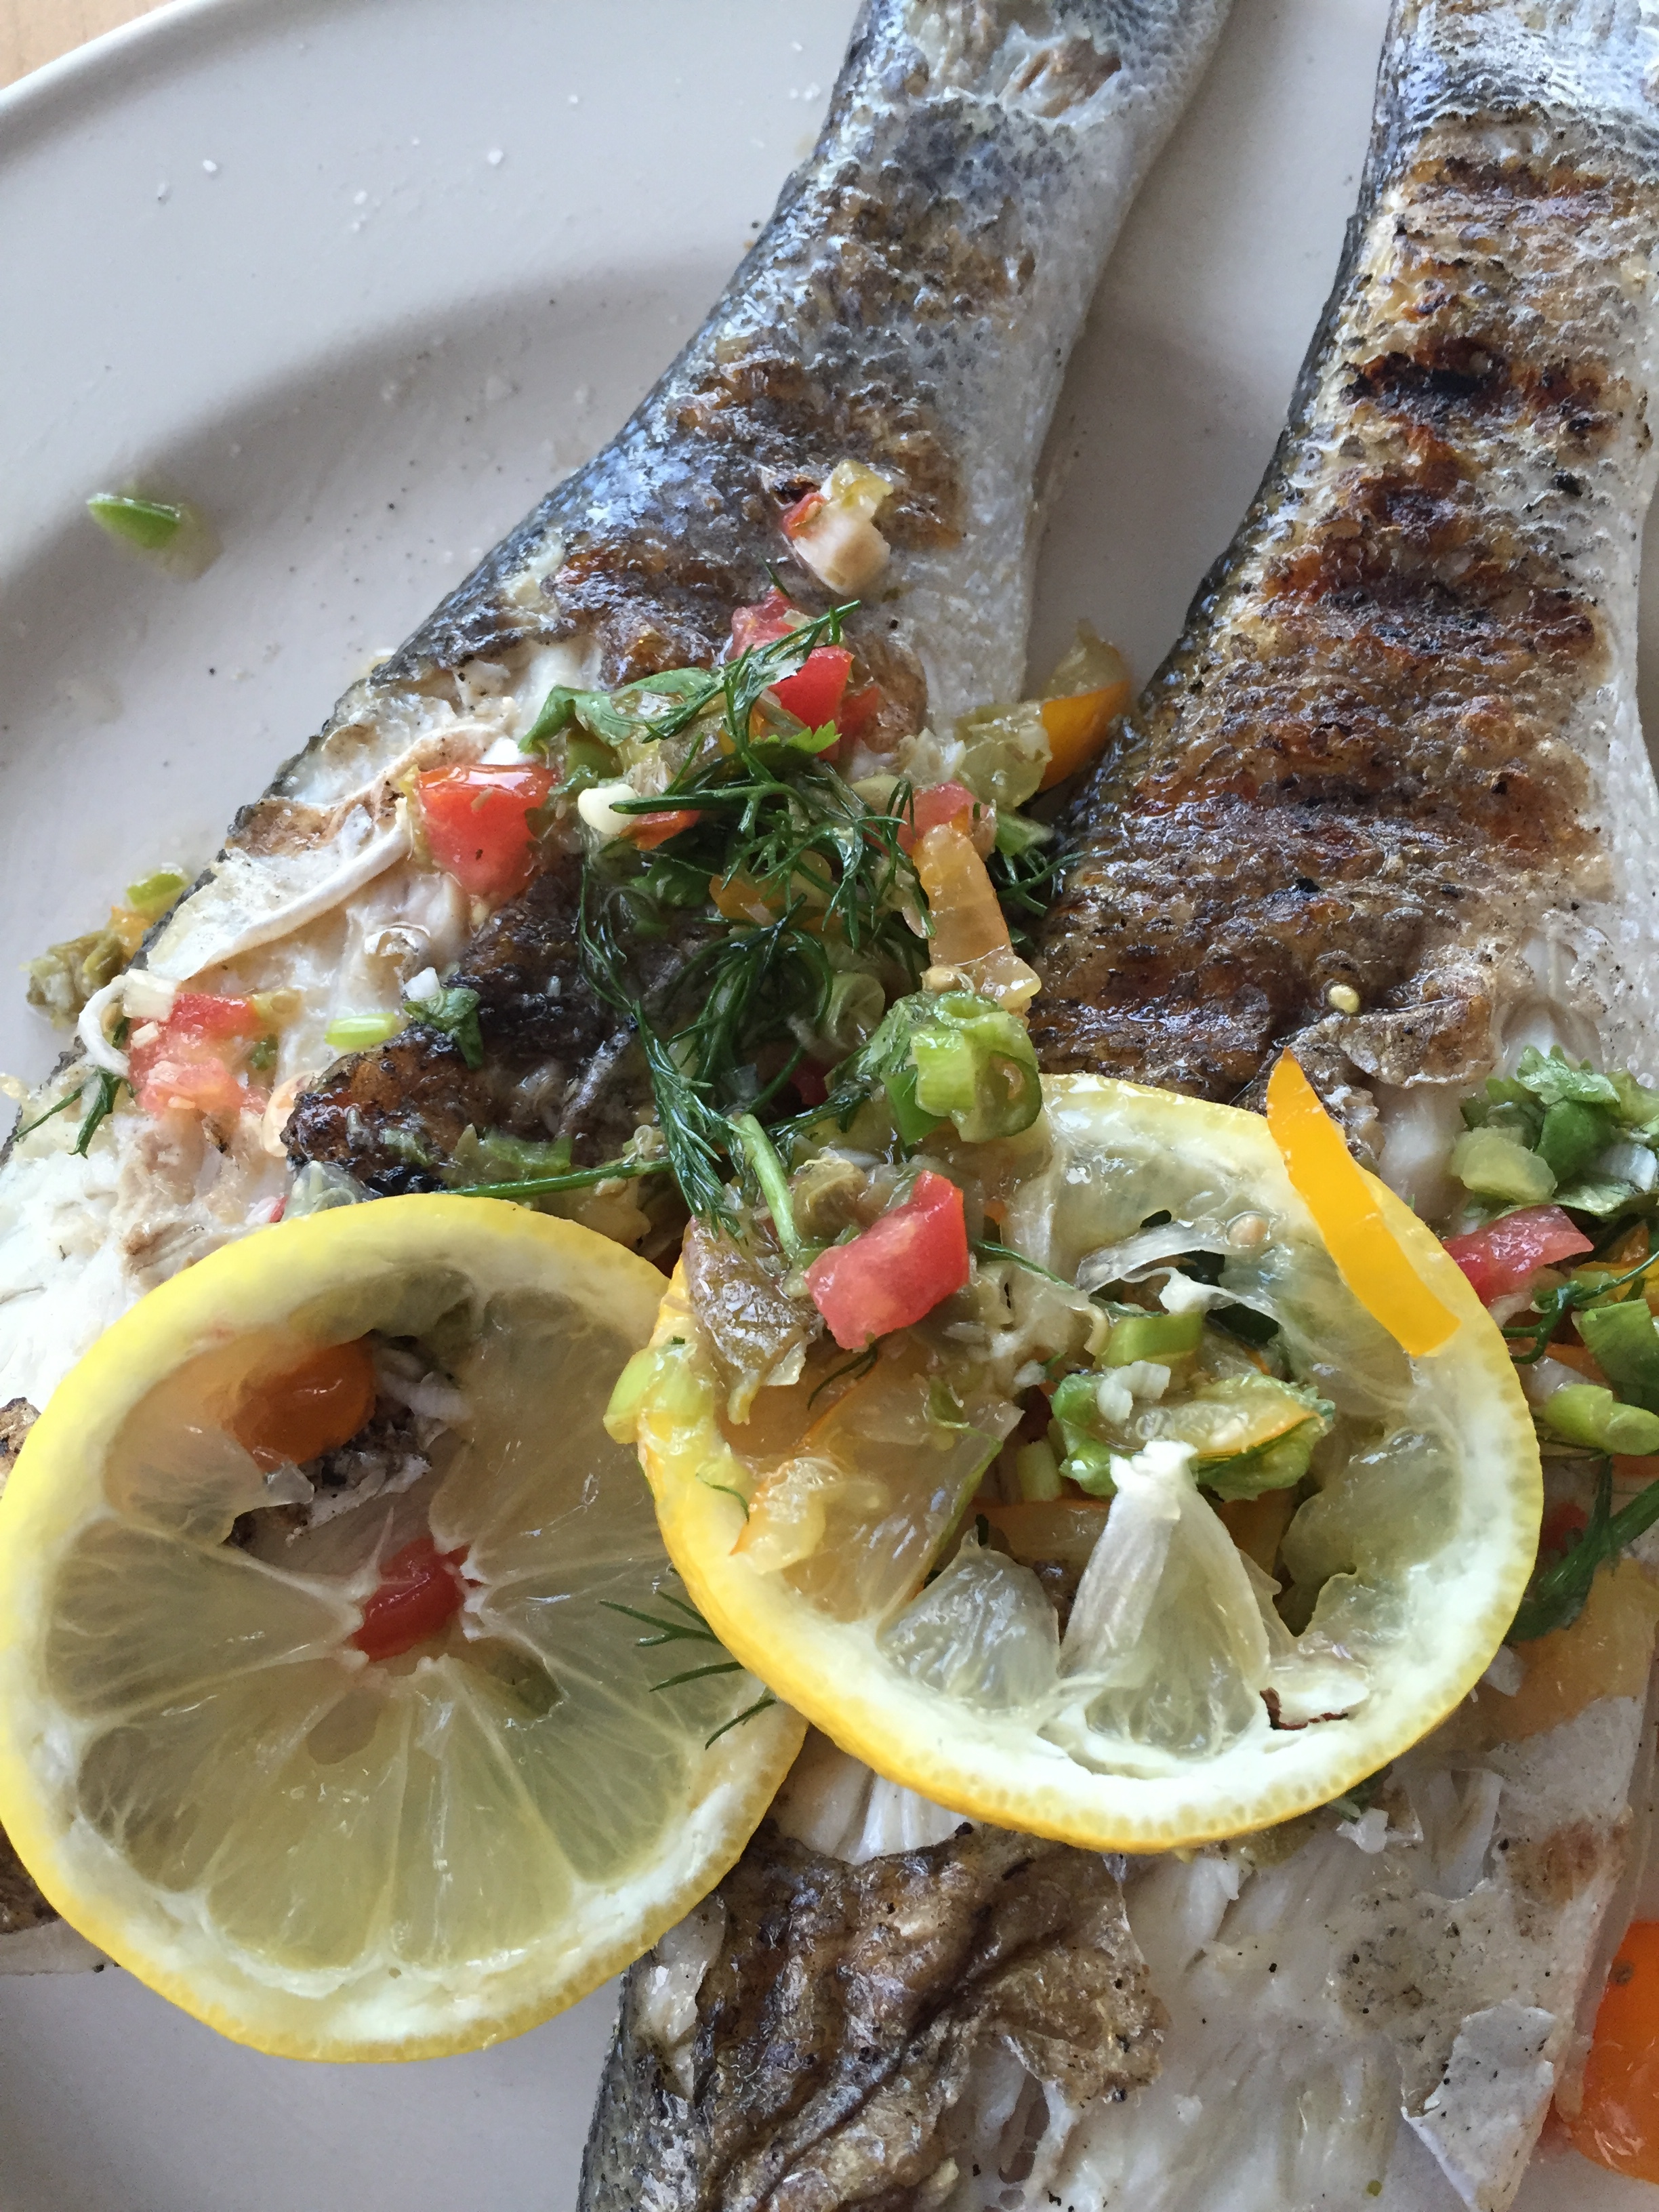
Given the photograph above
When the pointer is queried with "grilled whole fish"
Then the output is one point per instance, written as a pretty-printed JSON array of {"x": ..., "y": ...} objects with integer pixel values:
[
  {"x": 1396, "y": 749},
  {"x": 911, "y": 305}
]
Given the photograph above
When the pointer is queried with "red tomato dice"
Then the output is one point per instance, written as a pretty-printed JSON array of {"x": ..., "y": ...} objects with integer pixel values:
[
  {"x": 1507, "y": 1254},
  {"x": 897, "y": 1271},
  {"x": 813, "y": 693},
  {"x": 858, "y": 710},
  {"x": 194, "y": 1061},
  {"x": 773, "y": 616},
  {"x": 942, "y": 805},
  {"x": 478, "y": 827},
  {"x": 419, "y": 1593}
]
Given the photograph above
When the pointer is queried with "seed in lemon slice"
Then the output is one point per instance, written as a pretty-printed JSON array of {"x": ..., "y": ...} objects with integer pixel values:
[
  {"x": 400, "y": 1781},
  {"x": 844, "y": 1560}
]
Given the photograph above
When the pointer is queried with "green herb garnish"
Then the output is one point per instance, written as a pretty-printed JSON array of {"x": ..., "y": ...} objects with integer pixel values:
[
  {"x": 455, "y": 1011},
  {"x": 1558, "y": 1594}
]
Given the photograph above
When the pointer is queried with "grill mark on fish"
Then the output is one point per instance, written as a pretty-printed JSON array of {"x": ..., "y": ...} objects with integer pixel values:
[
  {"x": 837, "y": 2025},
  {"x": 1378, "y": 755}
]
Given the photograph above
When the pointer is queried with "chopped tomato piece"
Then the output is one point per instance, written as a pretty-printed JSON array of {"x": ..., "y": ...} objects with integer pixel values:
[
  {"x": 1617, "y": 2124},
  {"x": 857, "y": 710},
  {"x": 1562, "y": 1524},
  {"x": 813, "y": 693},
  {"x": 312, "y": 1407},
  {"x": 477, "y": 825},
  {"x": 773, "y": 616},
  {"x": 647, "y": 830},
  {"x": 897, "y": 1270},
  {"x": 794, "y": 519},
  {"x": 195, "y": 1059},
  {"x": 1506, "y": 1255},
  {"x": 945, "y": 806},
  {"x": 420, "y": 1592},
  {"x": 809, "y": 1086}
]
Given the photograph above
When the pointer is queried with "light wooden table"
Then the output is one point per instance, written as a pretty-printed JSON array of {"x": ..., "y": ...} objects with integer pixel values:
[{"x": 36, "y": 31}]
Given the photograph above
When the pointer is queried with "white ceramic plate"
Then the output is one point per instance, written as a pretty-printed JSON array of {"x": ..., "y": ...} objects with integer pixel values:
[{"x": 360, "y": 277}]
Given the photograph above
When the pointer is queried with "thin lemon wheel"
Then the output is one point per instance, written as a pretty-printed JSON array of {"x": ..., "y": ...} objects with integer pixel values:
[
  {"x": 852, "y": 1559},
  {"x": 327, "y": 1827}
]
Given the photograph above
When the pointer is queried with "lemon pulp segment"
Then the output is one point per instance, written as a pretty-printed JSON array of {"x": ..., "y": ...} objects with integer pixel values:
[{"x": 843, "y": 1562}]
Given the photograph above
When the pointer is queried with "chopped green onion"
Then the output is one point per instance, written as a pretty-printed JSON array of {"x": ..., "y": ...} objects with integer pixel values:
[
  {"x": 1585, "y": 1413},
  {"x": 974, "y": 1067},
  {"x": 361, "y": 1032},
  {"x": 768, "y": 1171},
  {"x": 147, "y": 523},
  {"x": 1038, "y": 1472},
  {"x": 1159, "y": 1337},
  {"x": 1624, "y": 1344}
]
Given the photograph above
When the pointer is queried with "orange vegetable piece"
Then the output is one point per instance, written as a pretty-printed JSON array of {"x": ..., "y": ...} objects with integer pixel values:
[
  {"x": 314, "y": 1406},
  {"x": 1617, "y": 2122},
  {"x": 740, "y": 898},
  {"x": 1337, "y": 1193},
  {"x": 1077, "y": 727},
  {"x": 648, "y": 830},
  {"x": 970, "y": 933}
]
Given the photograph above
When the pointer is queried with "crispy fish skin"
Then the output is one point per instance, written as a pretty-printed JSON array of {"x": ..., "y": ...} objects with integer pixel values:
[
  {"x": 808, "y": 2040},
  {"x": 1396, "y": 747},
  {"x": 911, "y": 305}
]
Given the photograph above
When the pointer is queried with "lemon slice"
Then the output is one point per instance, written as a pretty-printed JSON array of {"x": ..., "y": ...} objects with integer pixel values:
[
  {"x": 334, "y": 1806},
  {"x": 853, "y": 1550}
]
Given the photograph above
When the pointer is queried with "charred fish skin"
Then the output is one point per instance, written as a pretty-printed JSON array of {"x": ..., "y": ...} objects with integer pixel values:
[
  {"x": 818, "y": 2035},
  {"x": 1396, "y": 748}
]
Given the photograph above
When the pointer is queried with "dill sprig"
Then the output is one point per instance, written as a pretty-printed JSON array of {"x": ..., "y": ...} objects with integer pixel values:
[{"x": 774, "y": 815}]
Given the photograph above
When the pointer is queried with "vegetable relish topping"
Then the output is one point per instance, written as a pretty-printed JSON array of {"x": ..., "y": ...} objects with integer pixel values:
[{"x": 1555, "y": 1232}]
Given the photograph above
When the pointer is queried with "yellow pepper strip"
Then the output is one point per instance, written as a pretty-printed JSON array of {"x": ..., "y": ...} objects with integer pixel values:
[
  {"x": 1077, "y": 728},
  {"x": 1369, "y": 1256}
]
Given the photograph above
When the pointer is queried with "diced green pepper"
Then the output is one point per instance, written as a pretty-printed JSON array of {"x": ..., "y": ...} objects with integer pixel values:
[
  {"x": 152, "y": 894},
  {"x": 1572, "y": 1135},
  {"x": 149, "y": 523},
  {"x": 1493, "y": 1165},
  {"x": 1038, "y": 1472},
  {"x": 974, "y": 1067},
  {"x": 1274, "y": 1466},
  {"x": 588, "y": 760},
  {"x": 1585, "y": 1413},
  {"x": 1624, "y": 1344},
  {"x": 1153, "y": 1336},
  {"x": 362, "y": 1032}
]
